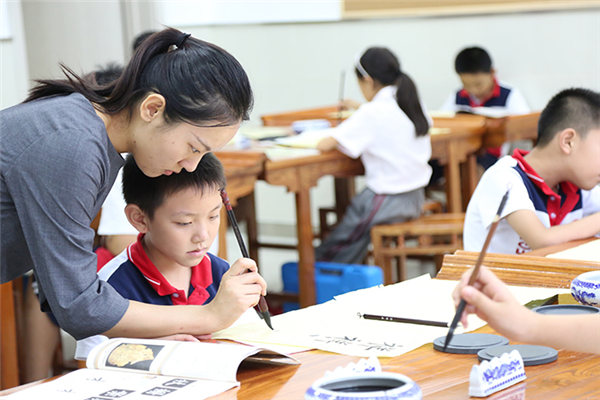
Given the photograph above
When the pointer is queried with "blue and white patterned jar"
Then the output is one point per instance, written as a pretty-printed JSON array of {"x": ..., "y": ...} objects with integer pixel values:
[
  {"x": 586, "y": 288},
  {"x": 363, "y": 386}
]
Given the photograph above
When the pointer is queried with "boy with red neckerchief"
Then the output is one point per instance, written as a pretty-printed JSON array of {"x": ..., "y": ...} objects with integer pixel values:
[
  {"x": 554, "y": 197},
  {"x": 169, "y": 264},
  {"x": 482, "y": 93}
]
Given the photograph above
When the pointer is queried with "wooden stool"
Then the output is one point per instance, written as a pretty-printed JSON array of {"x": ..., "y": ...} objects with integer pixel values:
[{"x": 436, "y": 234}]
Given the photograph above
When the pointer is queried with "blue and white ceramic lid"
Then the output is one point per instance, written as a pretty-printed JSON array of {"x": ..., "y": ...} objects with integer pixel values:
[{"x": 363, "y": 386}]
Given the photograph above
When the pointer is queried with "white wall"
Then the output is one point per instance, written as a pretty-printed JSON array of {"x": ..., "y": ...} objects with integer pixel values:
[
  {"x": 13, "y": 55},
  {"x": 82, "y": 34},
  {"x": 294, "y": 66}
]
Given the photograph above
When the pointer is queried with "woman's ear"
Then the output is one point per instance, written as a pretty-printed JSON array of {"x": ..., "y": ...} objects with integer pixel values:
[
  {"x": 152, "y": 107},
  {"x": 566, "y": 140},
  {"x": 137, "y": 217}
]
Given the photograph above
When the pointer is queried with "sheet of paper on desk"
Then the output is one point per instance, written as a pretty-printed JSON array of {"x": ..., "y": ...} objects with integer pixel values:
[
  {"x": 100, "y": 384},
  {"x": 586, "y": 252},
  {"x": 335, "y": 326},
  {"x": 306, "y": 140},
  {"x": 285, "y": 153}
]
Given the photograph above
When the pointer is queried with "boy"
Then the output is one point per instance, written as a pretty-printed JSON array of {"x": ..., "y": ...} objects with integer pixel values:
[
  {"x": 178, "y": 219},
  {"x": 483, "y": 94},
  {"x": 553, "y": 194}
]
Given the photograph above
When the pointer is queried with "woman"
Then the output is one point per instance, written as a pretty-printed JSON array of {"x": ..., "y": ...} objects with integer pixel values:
[{"x": 178, "y": 98}]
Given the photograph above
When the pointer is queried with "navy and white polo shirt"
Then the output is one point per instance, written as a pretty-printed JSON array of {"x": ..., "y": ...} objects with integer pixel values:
[
  {"x": 529, "y": 192},
  {"x": 135, "y": 277},
  {"x": 504, "y": 97}
]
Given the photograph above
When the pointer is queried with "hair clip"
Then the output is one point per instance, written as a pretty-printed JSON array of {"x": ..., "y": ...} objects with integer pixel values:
[{"x": 359, "y": 66}]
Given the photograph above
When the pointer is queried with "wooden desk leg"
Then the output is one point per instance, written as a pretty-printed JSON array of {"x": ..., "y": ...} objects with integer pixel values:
[
  {"x": 453, "y": 179},
  {"x": 9, "y": 365},
  {"x": 469, "y": 179},
  {"x": 223, "y": 234},
  {"x": 344, "y": 192},
  {"x": 306, "y": 252}
]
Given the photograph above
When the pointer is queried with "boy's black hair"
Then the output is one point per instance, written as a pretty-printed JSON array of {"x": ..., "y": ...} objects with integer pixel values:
[
  {"x": 574, "y": 108},
  {"x": 107, "y": 74},
  {"x": 150, "y": 193},
  {"x": 473, "y": 60}
]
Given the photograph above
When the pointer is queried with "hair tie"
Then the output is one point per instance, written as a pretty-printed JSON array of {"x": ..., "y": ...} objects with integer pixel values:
[{"x": 181, "y": 40}]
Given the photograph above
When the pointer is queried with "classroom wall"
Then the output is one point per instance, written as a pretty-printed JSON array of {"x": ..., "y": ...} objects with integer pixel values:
[
  {"x": 13, "y": 57},
  {"x": 83, "y": 35},
  {"x": 294, "y": 66}
]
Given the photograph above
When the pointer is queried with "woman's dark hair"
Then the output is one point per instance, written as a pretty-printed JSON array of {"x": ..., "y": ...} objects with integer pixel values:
[
  {"x": 150, "y": 193},
  {"x": 202, "y": 84},
  {"x": 383, "y": 66}
]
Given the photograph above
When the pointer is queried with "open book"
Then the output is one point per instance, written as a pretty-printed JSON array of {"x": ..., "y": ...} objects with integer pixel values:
[{"x": 142, "y": 368}]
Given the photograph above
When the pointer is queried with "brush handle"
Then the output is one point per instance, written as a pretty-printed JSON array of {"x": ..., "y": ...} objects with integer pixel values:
[{"x": 262, "y": 303}]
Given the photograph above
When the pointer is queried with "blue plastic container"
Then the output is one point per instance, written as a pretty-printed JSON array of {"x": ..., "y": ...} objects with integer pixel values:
[{"x": 331, "y": 279}]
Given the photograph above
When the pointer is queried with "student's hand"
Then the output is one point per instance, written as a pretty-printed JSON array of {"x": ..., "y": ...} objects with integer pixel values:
[
  {"x": 349, "y": 104},
  {"x": 327, "y": 144},
  {"x": 240, "y": 289},
  {"x": 490, "y": 299}
]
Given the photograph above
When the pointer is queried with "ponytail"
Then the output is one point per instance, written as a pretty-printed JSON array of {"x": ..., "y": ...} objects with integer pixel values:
[
  {"x": 202, "y": 84},
  {"x": 382, "y": 65}
]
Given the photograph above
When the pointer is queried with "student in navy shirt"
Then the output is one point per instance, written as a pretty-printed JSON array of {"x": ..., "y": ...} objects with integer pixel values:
[
  {"x": 482, "y": 93},
  {"x": 178, "y": 219},
  {"x": 554, "y": 196}
]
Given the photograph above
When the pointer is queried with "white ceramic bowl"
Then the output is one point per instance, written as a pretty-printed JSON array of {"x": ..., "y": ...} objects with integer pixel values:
[
  {"x": 363, "y": 386},
  {"x": 586, "y": 288}
]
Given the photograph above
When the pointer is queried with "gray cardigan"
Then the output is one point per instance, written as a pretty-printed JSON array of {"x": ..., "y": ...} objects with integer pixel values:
[{"x": 57, "y": 166}]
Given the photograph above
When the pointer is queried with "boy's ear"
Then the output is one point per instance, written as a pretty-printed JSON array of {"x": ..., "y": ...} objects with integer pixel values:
[
  {"x": 566, "y": 137},
  {"x": 152, "y": 107},
  {"x": 136, "y": 217}
]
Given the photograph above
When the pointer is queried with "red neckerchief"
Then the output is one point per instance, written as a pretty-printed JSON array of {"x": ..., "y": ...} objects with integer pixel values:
[
  {"x": 201, "y": 276},
  {"x": 495, "y": 93},
  {"x": 556, "y": 213}
]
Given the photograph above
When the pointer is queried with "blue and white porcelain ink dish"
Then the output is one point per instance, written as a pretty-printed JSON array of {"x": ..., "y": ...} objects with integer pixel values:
[
  {"x": 365, "y": 385},
  {"x": 586, "y": 288}
]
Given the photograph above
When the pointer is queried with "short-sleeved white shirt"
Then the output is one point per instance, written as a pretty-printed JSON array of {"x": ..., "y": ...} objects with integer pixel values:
[
  {"x": 384, "y": 138},
  {"x": 528, "y": 192},
  {"x": 113, "y": 220}
]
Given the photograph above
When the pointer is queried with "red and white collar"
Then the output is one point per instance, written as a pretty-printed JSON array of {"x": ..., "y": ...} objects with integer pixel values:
[
  {"x": 556, "y": 213},
  {"x": 201, "y": 276},
  {"x": 475, "y": 102}
]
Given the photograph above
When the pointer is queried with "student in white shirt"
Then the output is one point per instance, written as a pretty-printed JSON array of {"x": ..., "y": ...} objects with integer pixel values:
[{"x": 390, "y": 135}]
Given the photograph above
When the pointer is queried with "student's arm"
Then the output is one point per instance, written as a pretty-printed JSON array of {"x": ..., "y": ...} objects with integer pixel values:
[
  {"x": 327, "y": 144},
  {"x": 117, "y": 243},
  {"x": 530, "y": 228},
  {"x": 491, "y": 300},
  {"x": 238, "y": 291}
]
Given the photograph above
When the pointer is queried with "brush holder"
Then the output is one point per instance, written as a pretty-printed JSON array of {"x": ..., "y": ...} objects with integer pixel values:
[
  {"x": 363, "y": 386},
  {"x": 586, "y": 288}
]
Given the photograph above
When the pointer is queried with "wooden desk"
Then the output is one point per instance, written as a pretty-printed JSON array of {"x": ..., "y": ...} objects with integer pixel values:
[
  {"x": 446, "y": 376},
  {"x": 441, "y": 376},
  {"x": 298, "y": 176}
]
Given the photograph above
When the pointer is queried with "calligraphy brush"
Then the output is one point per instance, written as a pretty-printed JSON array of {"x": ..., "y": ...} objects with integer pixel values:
[
  {"x": 341, "y": 93},
  {"x": 261, "y": 308},
  {"x": 475, "y": 274}
]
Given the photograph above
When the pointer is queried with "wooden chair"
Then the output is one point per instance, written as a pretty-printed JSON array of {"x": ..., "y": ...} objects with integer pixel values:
[{"x": 434, "y": 234}]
